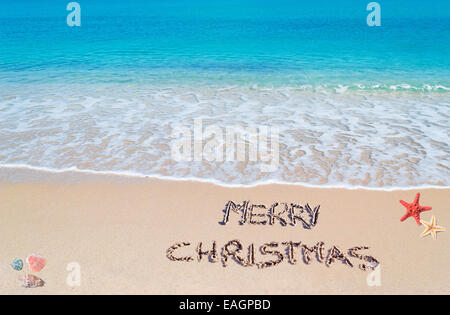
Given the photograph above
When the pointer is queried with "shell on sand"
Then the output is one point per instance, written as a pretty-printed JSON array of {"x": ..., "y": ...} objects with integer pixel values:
[
  {"x": 35, "y": 262},
  {"x": 17, "y": 264},
  {"x": 31, "y": 281}
]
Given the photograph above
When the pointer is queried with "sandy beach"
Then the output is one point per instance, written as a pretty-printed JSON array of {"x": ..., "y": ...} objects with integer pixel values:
[
  {"x": 118, "y": 230},
  {"x": 235, "y": 147}
]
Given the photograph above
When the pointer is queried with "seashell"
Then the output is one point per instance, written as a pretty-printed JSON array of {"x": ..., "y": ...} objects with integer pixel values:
[
  {"x": 17, "y": 264},
  {"x": 31, "y": 281},
  {"x": 36, "y": 263}
]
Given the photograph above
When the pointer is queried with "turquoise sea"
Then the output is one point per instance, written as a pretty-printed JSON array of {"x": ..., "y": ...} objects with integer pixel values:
[{"x": 355, "y": 105}]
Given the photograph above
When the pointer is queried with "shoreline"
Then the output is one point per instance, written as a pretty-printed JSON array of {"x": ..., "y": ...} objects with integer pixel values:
[
  {"x": 336, "y": 140},
  {"x": 26, "y": 173}
]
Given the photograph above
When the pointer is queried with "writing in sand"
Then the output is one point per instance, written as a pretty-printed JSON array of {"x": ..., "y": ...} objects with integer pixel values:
[
  {"x": 272, "y": 253},
  {"x": 278, "y": 213}
]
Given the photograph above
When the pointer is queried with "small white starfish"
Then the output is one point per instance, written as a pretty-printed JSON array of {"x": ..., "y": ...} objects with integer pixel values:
[{"x": 432, "y": 228}]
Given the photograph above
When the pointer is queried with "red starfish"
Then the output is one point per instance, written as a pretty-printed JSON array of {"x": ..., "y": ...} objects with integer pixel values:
[{"x": 413, "y": 209}]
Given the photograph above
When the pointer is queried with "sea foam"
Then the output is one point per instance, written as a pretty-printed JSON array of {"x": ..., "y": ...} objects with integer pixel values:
[{"x": 343, "y": 136}]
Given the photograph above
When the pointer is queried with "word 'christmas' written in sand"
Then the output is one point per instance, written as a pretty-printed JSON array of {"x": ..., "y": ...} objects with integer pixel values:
[{"x": 276, "y": 253}]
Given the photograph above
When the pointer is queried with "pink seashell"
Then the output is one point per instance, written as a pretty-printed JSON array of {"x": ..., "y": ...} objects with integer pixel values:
[
  {"x": 31, "y": 281},
  {"x": 36, "y": 262}
]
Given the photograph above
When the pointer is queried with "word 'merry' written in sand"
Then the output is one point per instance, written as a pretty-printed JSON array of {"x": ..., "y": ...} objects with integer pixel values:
[{"x": 278, "y": 213}]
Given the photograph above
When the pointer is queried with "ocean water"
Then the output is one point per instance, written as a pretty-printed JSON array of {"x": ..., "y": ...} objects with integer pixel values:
[{"x": 355, "y": 105}]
